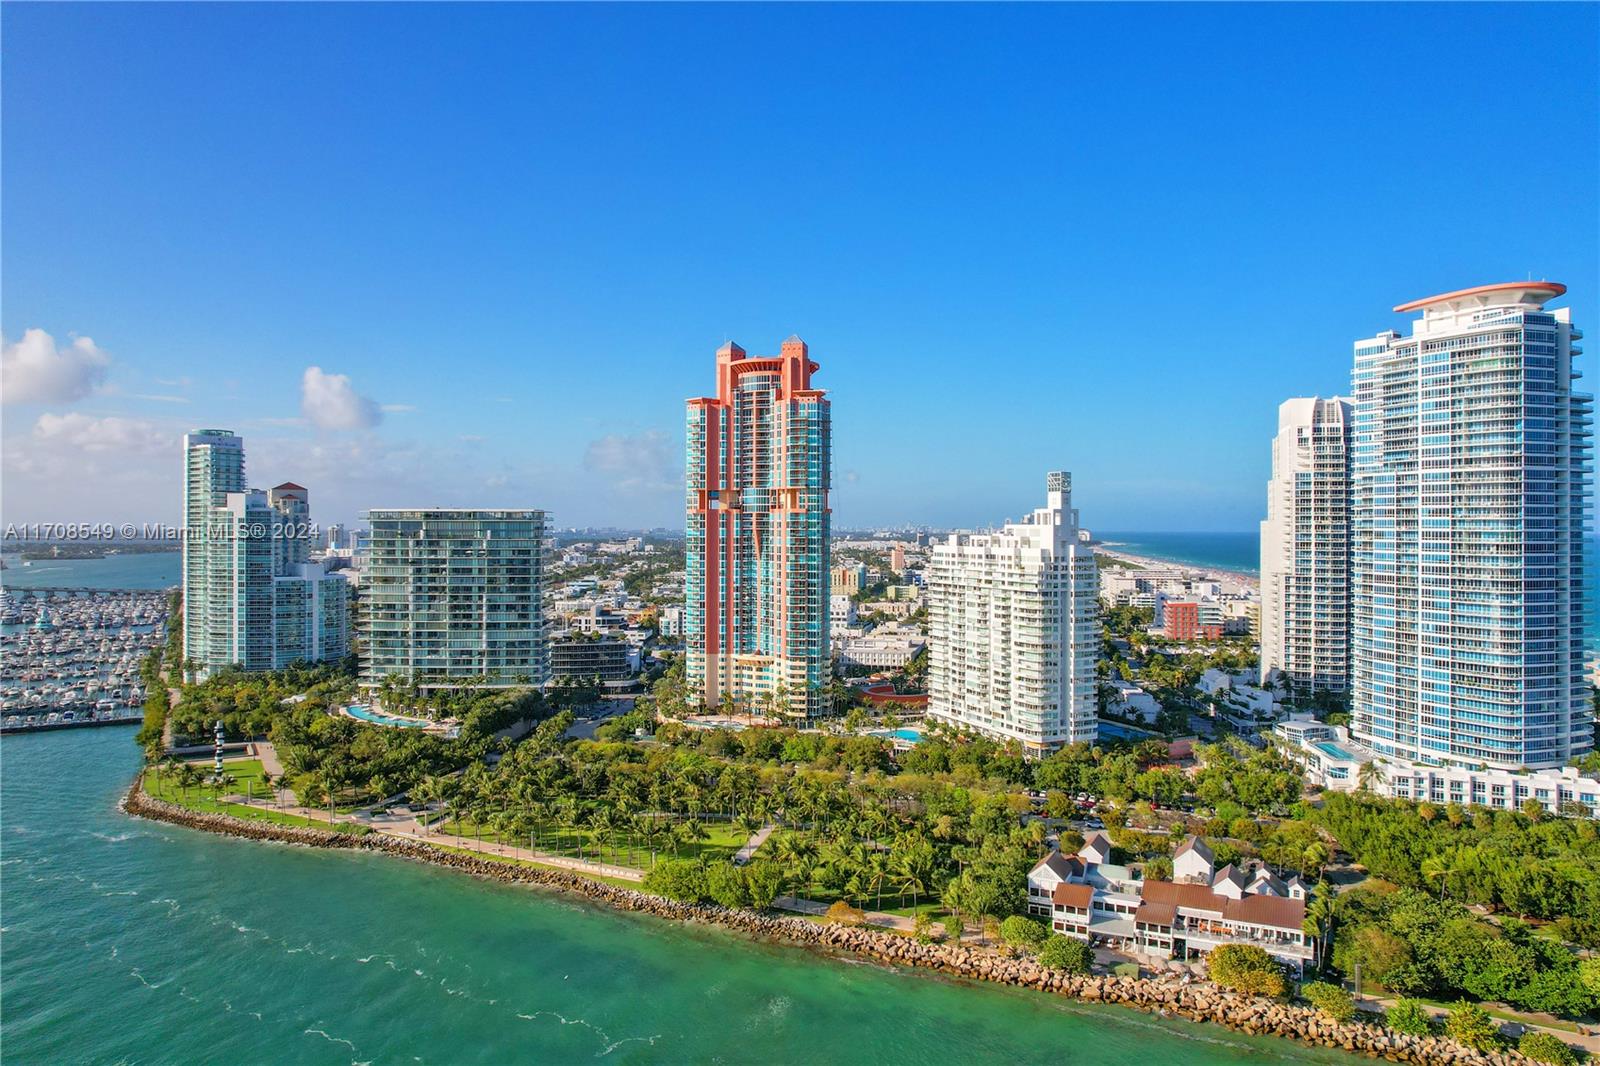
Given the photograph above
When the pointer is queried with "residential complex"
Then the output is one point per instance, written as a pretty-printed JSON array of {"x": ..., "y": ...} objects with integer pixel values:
[
  {"x": 1015, "y": 630},
  {"x": 1471, "y": 480},
  {"x": 454, "y": 597},
  {"x": 1333, "y": 760},
  {"x": 251, "y": 596},
  {"x": 1091, "y": 898},
  {"x": 756, "y": 625},
  {"x": 1305, "y": 549}
]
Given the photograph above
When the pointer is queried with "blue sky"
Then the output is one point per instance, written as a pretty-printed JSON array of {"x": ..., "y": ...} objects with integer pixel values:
[{"x": 1109, "y": 239}]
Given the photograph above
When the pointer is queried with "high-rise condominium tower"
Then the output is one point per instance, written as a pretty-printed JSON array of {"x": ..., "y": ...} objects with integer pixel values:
[
  {"x": 1014, "y": 628},
  {"x": 455, "y": 597},
  {"x": 1471, "y": 491},
  {"x": 251, "y": 596},
  {"x": 213, "y": 466},
  {"x": 1305, "y": 548},
  {"x": 756, "y": 593}
]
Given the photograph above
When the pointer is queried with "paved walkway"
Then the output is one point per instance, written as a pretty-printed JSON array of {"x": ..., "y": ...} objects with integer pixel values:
[
  {"x": 815, "y": 907},
  {"x": 753, "y": 845},
  {"x": 408, "y": 826},
  {"x": 1589, "y": 1040}
]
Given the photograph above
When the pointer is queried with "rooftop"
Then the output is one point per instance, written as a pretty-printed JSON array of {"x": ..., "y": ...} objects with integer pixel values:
[{"x": 1530, "y": 292}]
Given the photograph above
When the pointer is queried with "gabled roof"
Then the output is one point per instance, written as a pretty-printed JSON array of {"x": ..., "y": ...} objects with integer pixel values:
[
  {"x": 1098, "y": 843},
  {"x": 1266, "y": 880},
  {"x": 1160, "y": 914},
  {"x": 290, "y": 485},
  {"x": 1231, "y": 873},
  {"x": 1273, "y": 911},
  {"x": 1078, "y": 897},
  {"x": 1063, "y": 866},
  {"x": 1196, "y": 845}
]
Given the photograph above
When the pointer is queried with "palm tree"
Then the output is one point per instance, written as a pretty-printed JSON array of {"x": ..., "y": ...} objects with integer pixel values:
[{"x": 1439, "y": 868}]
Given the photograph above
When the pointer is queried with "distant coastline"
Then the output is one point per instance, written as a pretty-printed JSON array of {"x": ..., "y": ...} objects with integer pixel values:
[{"x": 1225, "y": 556}]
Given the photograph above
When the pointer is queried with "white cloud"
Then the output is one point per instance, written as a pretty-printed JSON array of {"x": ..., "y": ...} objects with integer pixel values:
[
  {"x": 158, "y": 398},
  {"x": 34, "y": 370},
  {"x": 86, "y": 433},
  {"x": 639, "y": 462},
  {"x": 329, "y": 401}
]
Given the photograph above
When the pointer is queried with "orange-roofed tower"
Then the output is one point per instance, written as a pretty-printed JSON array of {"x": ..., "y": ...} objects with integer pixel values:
[{"x": 757, "y": 518}]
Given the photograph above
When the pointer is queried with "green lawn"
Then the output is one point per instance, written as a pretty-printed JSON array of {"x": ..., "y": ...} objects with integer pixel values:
[
  {"x": 163, "y": 785},
  {"x": 722, "y": 842}
]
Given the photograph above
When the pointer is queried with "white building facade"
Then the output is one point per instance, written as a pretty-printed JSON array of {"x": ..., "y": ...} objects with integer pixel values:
[
  {"x": 1471, "y": 483},
  {"x": 1305, "y": 549},
  {"x": 1014, "y": 628}
]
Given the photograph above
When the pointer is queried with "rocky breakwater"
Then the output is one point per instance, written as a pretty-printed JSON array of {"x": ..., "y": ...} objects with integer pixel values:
[{"x": 1166, "y": 996}]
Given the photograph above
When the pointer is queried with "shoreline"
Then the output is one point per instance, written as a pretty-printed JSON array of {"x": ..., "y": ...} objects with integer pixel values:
[
  {"x": 1150, "y": 562},
  {"x": 1165, "y": 996}
]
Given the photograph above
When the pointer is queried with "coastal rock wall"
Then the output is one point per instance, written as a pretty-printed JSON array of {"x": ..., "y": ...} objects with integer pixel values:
[{"x": 1167, "y": 996}]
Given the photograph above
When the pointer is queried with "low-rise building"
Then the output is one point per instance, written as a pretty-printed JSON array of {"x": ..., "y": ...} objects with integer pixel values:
[
  {"x": 613, "y": 660},
  {"x": 1131, "y": 701},
  {"x": 670, "y": 622},
  {"x": 886, "y": 651},
  {"x": 1333, "y": 760},
  {"x": 1087, "y": 897},
  {"x": 841, "y": 612}
]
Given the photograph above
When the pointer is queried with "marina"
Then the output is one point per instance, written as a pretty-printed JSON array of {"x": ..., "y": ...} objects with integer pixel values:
[{"x": 72, "y": 655}]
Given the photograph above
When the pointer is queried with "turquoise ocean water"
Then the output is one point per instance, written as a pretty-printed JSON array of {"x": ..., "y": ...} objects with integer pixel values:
[
  {"x": 133, "y": 942},
  {"x": 1242, "y": 552},
  {"x": 148, "y": 570}
]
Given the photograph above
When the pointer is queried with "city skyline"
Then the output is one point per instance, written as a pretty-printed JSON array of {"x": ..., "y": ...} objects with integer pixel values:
[{"x": 516, "y": 343}]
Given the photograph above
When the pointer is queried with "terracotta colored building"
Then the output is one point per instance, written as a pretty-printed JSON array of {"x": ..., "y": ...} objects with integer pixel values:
[{"x": 757, "y": 523}]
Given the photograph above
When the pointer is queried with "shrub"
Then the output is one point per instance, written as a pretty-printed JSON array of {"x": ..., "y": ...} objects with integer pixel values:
[
  {"x": 725, "y": 884},
  {"x": 679, "y": 879},
  {"x": 1246, "y": 968},
  {"x": 1543, "y": 1047},
  {"x": 762, "y": 881},
  {"x": 1126, "y": 969},
  {"x": 1066, "y": 953},
  {"x": 1409, "y": 1016},
  {"x": 922, "y": 927},
  {"x": 1022, "y": 932},
  {"x": 841, "y": 913},
  {"x": 1331, "y": 1000},
  {"x": 1471, "y": 1025},
  {"x": 952, "y": 929}
]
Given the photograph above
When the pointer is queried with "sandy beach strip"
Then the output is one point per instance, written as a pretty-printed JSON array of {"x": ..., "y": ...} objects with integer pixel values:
[{"x": 1145, "y": 562}]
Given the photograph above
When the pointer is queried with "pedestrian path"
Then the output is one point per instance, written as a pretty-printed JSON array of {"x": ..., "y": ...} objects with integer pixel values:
[
  {"x": 753, "y": 845},
  {"x": 815, "y": 907}
]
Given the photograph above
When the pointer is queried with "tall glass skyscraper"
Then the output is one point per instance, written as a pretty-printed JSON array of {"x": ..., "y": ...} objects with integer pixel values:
[
  {"x": 1471, "y": 481},
  {"x": 213, "y": 466},
  {"x": 757, "y": 519},
  {"x": 251, "y": 596},
  {"x": 455, "y": 597}
]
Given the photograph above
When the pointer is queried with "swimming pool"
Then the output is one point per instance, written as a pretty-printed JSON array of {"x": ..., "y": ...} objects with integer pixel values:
[
  {"x": 367, "y": 714},
  {"x": 1334, "y": 751},
  {"x": 906, "y": 733}
]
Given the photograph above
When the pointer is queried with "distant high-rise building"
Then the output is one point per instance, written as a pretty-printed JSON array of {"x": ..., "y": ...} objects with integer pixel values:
[
  {"x": 250, "y": 597},
  {"x": 453, "y": 597},
  {"x": 293, "y": 504},
  {"x": 1471, "y": 481},
  {"x": 213, "y": 466},
  {"x": 1014, "y": 624},
  {"x": 1305, "y": 548},
  {"x": 756, "y": 592},
  {"x": 336, "y": 536}
]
